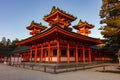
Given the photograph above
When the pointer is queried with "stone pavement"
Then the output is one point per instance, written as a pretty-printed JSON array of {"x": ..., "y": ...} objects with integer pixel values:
[{"x": 14, "y": 73}]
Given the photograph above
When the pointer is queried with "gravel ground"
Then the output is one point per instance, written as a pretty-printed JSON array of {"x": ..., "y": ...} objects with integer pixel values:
[{"x": 14, "y": 73}]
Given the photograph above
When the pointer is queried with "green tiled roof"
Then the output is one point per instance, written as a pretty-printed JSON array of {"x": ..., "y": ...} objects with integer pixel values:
[
  {"x": 20, "y": 49},
  {"x": 4, "y": 52}
]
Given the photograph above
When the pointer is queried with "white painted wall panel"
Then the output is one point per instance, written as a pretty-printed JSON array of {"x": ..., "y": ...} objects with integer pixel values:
[
  {"x": 63, "y": 59},
  {"x": 72, "y": 58},
  {"x": 54, "y": 59}
]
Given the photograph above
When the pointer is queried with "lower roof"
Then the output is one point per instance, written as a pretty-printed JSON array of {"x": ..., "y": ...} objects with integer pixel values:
[{"x": 7, "y": 52}]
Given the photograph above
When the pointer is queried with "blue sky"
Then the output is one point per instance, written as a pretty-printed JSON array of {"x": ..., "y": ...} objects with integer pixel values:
[{"x": 16, "y": 15}]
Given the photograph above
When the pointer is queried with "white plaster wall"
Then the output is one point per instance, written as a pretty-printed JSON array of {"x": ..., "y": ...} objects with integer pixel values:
[
  {"x": 46, "y": 59},
  {"x": 32, "y": 59},
  {"x": 72, "y": 58},
  {"x": 54, "y": 59},
  {"x": 63, "y": 59},
  {"x": 38, "y": 59},
  {"x": 43, "y": 59},
  {"x": 15, "y": 60},
  {"x": 12, "y": 59},
  {"x": 20, "y": 59},
  {"x": 66, "y": 59}
]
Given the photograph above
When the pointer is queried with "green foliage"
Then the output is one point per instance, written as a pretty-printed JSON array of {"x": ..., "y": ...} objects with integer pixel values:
[
  {"x": 14, "y": 43},
  {"x": 7, "y": 44},
  {"x": 110, "y": 32},
  {"x": 110, "y": 14},
  {"x": 4, "y": 42}
]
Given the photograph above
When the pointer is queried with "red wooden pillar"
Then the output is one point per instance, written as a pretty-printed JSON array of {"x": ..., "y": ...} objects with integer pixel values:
[
  {"x": 38, "y": 56},
  {"x": 58, "y": 51},
  {"x": 98, "y": 55},
  {"x": 35, "y": 57},
  {"x": 30, "y": 54},
  {"x": 83, "y": 53},
  {"x": 13, "y": 61},
  {"x": 41, "y": 55},
  {"x": 49, "y": 53},
  {"x": 89, "y": 53},
  {"x": 68, "y": 52},
  {"x": 104, "y": 57},
  {"x": 93, "y": 56},
  {"x": 18, "y": 59},
  {"x": 22, "y": 56},
  {"x": 76, "y": 50},
  {"x": 100, "y": 58}
]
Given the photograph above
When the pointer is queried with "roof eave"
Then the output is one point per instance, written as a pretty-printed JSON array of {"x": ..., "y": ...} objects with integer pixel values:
[{"x": 61, "y": 30}]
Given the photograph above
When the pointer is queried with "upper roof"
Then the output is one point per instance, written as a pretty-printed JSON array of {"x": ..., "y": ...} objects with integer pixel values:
[
  {"x": 57, "y": 11},
  {"x": 57, "y": 31},
  {"x": 36, "y": 25},
  {"x": 82, "y": 24},
  {"x": 59, "y": 20}
]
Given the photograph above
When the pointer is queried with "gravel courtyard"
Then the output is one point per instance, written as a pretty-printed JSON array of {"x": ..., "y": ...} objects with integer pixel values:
[{"x": 14, "y": 73}]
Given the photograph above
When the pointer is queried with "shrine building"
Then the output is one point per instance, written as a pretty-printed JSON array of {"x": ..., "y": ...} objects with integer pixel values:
[{"x": 58, "y": 43}]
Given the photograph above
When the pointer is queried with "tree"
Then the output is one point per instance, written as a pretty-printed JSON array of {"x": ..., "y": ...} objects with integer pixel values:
[
  {"x": 14, "y": 43},
  {"x": 110, "y": 14},
  {"x": 4, "y": 42},
  {"x": 8, "y": 42},
  {"x": 1, "y": 46}
]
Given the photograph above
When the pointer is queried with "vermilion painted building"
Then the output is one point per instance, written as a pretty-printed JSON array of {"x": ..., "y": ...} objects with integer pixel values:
[{"x": 59, "y": 43}]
